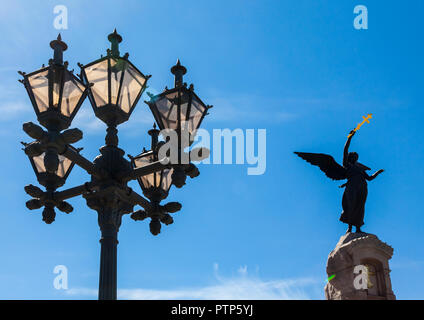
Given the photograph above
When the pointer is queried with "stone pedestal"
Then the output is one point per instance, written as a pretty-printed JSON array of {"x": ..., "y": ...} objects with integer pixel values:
[{"x": 358, "y": 269}]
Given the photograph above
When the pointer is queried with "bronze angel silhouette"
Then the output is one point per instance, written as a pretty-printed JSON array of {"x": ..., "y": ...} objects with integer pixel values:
[{"x": 355, "y": 194}]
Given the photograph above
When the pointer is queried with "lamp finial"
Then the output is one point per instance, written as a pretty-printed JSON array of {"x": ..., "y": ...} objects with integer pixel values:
[
  {"x": 114, "y": 39},
  {"x": 178, "y": 71},
  {"x": 58, "y": 46}
]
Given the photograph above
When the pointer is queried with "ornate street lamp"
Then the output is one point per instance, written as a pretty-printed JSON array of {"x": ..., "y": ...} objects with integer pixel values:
[
  {"x": 117, "y": 85},
  {"x": 50, "y": 180},
  {"x": 157, "y": 184},
  {"x": 155, "y": 187},
  {"x": 114, "y": 86},
  {"x": 179, "y": 109},
  {"x": 55, "y": 92}
]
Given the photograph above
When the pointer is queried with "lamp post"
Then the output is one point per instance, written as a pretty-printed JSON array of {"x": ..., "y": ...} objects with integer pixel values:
[{"x": 114, "y": 86}]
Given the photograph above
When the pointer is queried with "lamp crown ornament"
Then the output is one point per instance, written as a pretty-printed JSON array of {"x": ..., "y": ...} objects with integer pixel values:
[
  {"x": 154, "y": 133},
  {"x": 115, "y": 39},
  {"x": 178, "y": 71},
  {"x": 58, "y": 46}
]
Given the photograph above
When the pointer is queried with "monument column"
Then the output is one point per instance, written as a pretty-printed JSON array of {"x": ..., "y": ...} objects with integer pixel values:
[{"x": 359, "y": 269}]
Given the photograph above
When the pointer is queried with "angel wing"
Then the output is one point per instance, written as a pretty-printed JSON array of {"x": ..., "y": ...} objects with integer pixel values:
[{"x": 326, "y": 163}]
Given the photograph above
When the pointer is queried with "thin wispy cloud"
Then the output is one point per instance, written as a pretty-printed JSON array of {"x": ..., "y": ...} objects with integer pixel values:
[
  {"x": 268, "y": 110},
  {"x": 87, "y": 121},
  {"x": 243, "y": 286},
  {"x": 252, "y": 108},
  {"x": 14, "y": 103},
  {"x": 13, "y": 109},
  {"x": 141, "y": 116}
]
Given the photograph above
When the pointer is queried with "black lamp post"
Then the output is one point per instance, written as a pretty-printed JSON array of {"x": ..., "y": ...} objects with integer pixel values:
[{"x": 114, "y": 86}]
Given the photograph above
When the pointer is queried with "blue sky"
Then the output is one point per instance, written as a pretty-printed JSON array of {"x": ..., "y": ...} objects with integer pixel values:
[{"x": 295, "y": 68}]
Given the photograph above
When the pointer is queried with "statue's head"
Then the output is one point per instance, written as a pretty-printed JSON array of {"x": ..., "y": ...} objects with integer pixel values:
[{"x": 352, "y": 157}]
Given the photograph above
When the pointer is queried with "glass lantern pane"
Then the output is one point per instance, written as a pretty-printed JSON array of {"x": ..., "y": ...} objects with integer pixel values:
[
  {"x": 97, "y": 74},
  {"x": 56, "y": 77},
  {"x": 39, "y": 84},
  {"x": 183, "y": 109},
  {"x": 117, "y": 68},
  {"x": 147, "y": 180},
  {"x": 39, "y": 163},
  {"x": 72, "y": 92},
  {"x": 168, "y": 108},
  {"x": 143, "y": 161},
  {"x": 197, "y": 110},
  {"x": 166, "y": 179},
  {"x": 64, "y": 165},
  {"x": 159, "y": 179},
  {"x": 132, "y": 84}
]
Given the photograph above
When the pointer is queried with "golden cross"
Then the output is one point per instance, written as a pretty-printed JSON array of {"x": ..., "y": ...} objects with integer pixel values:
[{"x": 366, "y": 119}]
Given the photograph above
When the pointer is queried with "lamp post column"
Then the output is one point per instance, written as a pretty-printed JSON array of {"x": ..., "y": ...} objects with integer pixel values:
[
  {"x": 108, "y": 260},
  {"x": 109, "y": 211}
]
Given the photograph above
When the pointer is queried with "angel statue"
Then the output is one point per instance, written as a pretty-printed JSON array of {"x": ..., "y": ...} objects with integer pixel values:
[{"x": 355, "y": 194}]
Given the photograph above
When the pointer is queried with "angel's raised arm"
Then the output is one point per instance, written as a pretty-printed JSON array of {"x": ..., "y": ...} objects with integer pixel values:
[
  {"x": 346, "y": 148},
  {"x": 375, "y": 175}
]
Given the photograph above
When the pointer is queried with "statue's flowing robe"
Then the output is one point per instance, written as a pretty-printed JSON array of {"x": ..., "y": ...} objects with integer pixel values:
[{"x": 355, "y": 196}]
